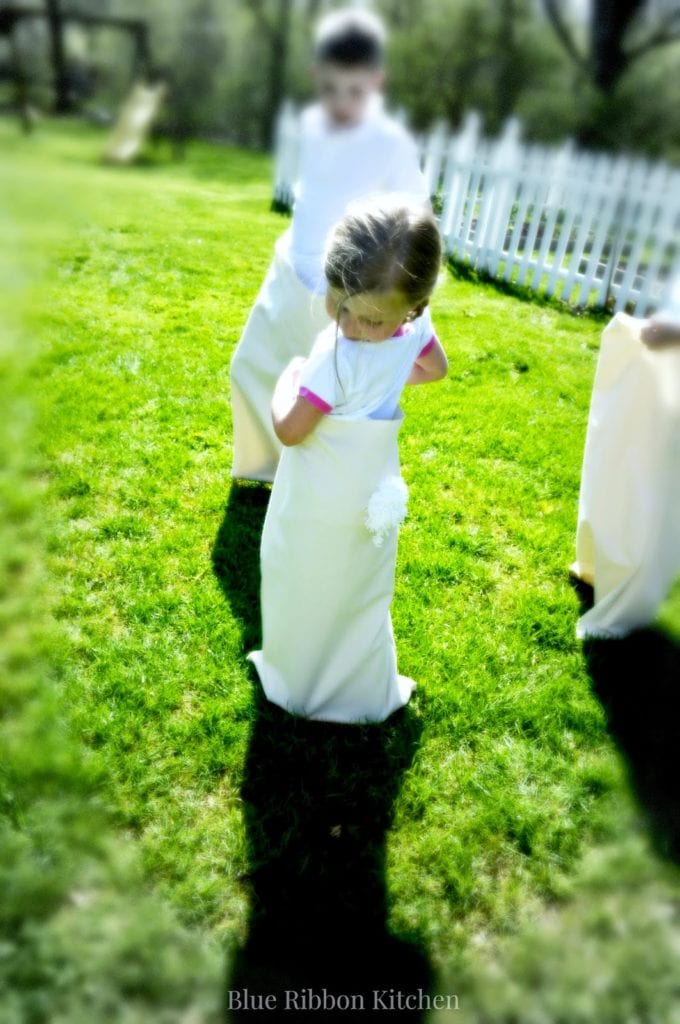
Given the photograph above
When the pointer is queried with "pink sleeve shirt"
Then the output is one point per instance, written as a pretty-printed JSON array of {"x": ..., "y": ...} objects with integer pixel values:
[{"x": 363, "y": 379}]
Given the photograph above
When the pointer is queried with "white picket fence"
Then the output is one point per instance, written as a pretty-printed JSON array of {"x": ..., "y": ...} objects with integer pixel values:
[{"x": 589, "y": 229}]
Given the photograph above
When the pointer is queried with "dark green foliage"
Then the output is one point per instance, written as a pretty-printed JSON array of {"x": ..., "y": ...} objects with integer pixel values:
[{"x": 230, "y": 65}]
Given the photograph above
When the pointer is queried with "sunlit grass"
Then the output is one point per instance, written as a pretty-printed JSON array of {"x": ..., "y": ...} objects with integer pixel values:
[{"x": 130, "y": 597}]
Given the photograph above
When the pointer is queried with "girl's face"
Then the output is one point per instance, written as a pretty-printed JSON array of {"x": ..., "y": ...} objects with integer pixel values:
[{"x": 369, "y": 316}]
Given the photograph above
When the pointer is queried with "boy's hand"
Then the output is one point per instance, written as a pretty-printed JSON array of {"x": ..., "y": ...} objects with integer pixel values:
[{"x": 661, "y": 331}]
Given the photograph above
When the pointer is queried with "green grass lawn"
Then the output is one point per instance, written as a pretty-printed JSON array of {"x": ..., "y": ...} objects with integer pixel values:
[{"x": 167, "y": 834}]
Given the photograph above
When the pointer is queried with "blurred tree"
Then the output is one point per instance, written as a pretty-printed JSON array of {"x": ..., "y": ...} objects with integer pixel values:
[
  {"x": 445, "y": 57},
  {"x": 501, "y": 58},
  {"x": 617, "y": 36},
  {"x": 273, "y": 21},
  {"x": 311, "y": 9},
  {"x": 55, "y": 22},
  {"x": 399, "y": 13},
  {"x": 464, "y": 54},
  {"x": 619, "y": 33},
  {"x": 67, "y": 30},
  {"x": 508, "y": 57},
  {"x": 192, "y": 82},
  {"x": 14, "y": 69}
]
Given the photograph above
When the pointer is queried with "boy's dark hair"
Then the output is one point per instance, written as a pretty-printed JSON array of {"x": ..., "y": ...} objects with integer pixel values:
[{"x": 350, "y": 38}]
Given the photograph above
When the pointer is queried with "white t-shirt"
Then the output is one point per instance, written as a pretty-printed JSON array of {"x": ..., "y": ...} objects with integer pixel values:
[
  {"x": 338, "y": 165},
  {"x": 363, "y": 379}
]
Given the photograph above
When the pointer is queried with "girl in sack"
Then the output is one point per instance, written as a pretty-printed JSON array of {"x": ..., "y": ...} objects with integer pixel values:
[{"x": 329, "y": 542}]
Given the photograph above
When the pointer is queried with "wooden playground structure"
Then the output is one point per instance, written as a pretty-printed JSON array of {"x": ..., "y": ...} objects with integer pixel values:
[{"x": 141, "y": 106}]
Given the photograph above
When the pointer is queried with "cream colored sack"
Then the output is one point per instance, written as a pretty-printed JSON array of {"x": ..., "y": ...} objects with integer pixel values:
[
  {"x": 628, "y": 534},
  {"x": 327, "y": 582},
  {"x": 283, "y": 323}
]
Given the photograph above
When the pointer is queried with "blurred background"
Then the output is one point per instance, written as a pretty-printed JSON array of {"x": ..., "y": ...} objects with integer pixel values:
[
  {"x": 125, "y": 866},
  {"x": 601, "y": 71}
]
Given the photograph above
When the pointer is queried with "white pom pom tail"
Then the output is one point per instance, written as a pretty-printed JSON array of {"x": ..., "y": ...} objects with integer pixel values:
[{"x": 386, "y": 508}]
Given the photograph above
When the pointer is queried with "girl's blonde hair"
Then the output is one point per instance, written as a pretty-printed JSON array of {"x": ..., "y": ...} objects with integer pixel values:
[{"x": 382, "y": 245}]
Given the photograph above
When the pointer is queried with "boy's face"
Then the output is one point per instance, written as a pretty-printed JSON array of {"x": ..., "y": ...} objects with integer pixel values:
[{"x": 344, "y": 92}]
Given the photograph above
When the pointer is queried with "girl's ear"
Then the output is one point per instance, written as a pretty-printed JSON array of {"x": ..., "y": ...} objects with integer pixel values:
[{"x": 418, "y": 310}]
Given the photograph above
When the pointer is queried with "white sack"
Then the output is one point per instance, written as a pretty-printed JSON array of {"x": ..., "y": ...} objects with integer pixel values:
[
  {"x": 328, "y": 649},
  {"x": 628, "y": 534},
  {"x": 284, "y": 322}
]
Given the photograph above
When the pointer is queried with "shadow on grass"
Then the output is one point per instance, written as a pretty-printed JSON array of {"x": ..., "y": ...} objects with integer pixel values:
[
  {"x": 524, "y": 293},
  {"x": 318, "y": 800},
  {"x": 236, "y": 557},
  {"x": 636, "y": 680}
]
